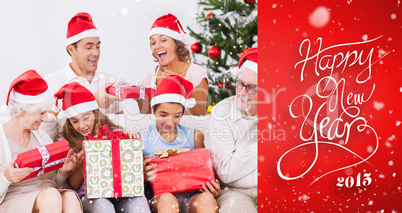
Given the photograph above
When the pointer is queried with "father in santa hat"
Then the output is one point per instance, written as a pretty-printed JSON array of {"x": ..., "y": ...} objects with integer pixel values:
[
  {"x": 83, "y": 45},
  {"x": 232, "y": 140}
]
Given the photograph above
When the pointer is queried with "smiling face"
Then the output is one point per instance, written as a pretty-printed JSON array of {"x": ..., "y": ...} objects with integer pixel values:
[
  {"x": 245, "y": 100},
  {"x": 83, "y": 123},
  {"x": 167, "y": 116},
  {"x": 163, "y": 48},
  {"x": 85, "y": 57},
  {"x": 33, "y": 120}
]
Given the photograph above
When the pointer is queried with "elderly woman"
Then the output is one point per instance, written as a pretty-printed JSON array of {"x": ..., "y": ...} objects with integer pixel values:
[
  {"x": 27, "y": 104},
  {"x": 167, "y": 39}
]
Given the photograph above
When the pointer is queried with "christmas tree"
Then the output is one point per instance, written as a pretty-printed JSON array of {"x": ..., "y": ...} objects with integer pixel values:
[{"x": 228, "y": 27}]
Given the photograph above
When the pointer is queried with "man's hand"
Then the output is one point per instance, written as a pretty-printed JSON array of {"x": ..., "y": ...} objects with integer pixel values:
[{"x": 104, "y": 99}]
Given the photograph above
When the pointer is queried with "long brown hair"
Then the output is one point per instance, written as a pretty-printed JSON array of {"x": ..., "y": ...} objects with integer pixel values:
[{"x": 75, "y": 139}]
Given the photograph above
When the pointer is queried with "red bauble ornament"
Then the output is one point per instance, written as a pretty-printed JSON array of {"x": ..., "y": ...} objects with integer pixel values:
[
  {"x": 220, "y": 85},
  {"x": 196, "y": 47},
  {"x": 214, "y": 52},
  {"x": 209, "y": 15},
  {"x": 249, "y": 1}
]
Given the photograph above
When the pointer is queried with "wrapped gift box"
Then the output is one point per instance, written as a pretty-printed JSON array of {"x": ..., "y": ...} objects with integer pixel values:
[
  {"x": 127, "y": 91},
  {"x": 183, "y": 172},
  {"x": 113, "y": 168},
  {"x": 43, "y": 159}
]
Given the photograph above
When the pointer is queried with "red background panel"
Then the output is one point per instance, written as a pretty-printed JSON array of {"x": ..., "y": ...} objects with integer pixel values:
[{"x": 345, "y": 101}]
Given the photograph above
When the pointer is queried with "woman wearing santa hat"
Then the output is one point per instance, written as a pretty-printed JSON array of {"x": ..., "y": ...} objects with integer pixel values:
[
  {"x": 83, "y": 117},
  {"x": 167, "y": 41},
  {"x": 171, "y": 99},
  {"x": 27, "y": 103}
]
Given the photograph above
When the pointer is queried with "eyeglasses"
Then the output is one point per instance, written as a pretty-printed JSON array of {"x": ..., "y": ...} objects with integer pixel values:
[{"x": 250, "y": 88}]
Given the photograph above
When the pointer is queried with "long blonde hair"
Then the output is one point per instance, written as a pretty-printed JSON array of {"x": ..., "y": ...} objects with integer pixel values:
[{"x": 75, "y": 139}]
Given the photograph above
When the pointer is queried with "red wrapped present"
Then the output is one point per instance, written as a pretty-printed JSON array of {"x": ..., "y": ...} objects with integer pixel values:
[
  {"x": 125, "y": 90},
  {"x": 183, "y": 172},
  {"x": 44, "y": 158}
]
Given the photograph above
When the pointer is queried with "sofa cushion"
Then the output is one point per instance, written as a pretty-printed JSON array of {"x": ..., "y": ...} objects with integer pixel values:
[{"x": 129, "y": 122}]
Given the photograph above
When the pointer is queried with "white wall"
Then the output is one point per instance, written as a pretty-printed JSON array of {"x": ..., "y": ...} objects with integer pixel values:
[{"x": 33, "y": 35}]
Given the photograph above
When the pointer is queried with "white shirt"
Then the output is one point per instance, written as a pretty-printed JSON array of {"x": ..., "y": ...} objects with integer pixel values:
[
  {"x": 62, "y": 77},
  {"x": 232, "y": 141}
]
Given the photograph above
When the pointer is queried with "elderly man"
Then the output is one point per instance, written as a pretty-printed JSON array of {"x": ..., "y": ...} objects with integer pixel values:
[
  {"x": 83, "y": 45},
  {"x": 233, "y": 140}
]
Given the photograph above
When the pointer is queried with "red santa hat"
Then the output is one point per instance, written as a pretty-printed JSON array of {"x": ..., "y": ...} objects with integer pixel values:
[
  {"x": 170, "y": 26},
  {"x": 175, "y": 89},
  {"x": 76, "y": 99},
  {"x": 252, "y": 60},
  {"x": 80, "y": 26},
  {"x": 29, "y": 88}
]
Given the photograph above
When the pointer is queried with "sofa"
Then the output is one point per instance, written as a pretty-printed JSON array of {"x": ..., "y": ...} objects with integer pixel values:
[{"x": 134, "y": 123}]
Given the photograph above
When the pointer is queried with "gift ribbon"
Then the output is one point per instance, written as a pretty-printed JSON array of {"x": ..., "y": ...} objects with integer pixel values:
[
  {"x": 135, "y": 84},
  {"x": 45, "y": 158},
  {"x": 164, "y": 154},
  {"x": 116, "y": 163}
]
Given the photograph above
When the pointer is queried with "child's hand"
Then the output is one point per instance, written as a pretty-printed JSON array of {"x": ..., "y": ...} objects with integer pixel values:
[
  {"x": 71, "y": 162},
  {"x": 132, "y": 134},
  {"x": 214, "y": 188},
  {"x": 149, "y": 170}
]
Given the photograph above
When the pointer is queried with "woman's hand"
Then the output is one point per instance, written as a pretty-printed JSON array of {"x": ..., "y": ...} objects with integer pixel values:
[
  {"x": 132, "y": 134},
  {"x": 16, "y": 174},
  {"x": 214, "y": 188},
  {"x": 149, "y": 170},
  {"x": 71, "y": 162}
]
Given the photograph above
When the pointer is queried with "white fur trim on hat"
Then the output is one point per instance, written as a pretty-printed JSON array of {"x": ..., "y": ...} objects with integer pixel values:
[
  {"x": 251, "y": 65},
  {"x": 175, "y": 98},
  {"x": 30, "y": 99},
  {"x": 80, "y": 108},
  {"x": 171, "y": 33},
  {"x": 84, "y": 34}
]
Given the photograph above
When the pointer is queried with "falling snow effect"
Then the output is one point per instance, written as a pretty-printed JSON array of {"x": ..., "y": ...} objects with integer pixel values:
[
  {"x": 378, "y": 105},
  {"x": 320, "y": 17}
]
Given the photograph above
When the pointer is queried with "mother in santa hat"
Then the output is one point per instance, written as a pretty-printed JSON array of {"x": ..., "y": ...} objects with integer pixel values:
[
  {"x": 167, "y": 41},
  {"x": 27, "y": 104}
]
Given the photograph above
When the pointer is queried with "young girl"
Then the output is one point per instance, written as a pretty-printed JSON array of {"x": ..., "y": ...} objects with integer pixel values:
[
  {"x": 170, "y": 100},
  {"x": 83, "y": 118}
]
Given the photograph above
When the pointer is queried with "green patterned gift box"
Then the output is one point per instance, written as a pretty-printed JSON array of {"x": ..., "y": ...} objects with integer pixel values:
[{"x": 101, "y": 174}]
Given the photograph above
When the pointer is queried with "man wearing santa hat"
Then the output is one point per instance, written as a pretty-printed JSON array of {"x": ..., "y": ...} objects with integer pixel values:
[
  {"x": 83, "y": 45},
  {"x": 232, "y": 140}
]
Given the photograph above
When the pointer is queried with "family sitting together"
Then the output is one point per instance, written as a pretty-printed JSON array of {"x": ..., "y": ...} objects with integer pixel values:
[{"x": 77, "y": 94}]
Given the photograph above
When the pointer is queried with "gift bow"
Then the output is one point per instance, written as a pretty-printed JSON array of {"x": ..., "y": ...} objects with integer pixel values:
[
  {"x": 164, "y": 154},
  {"x": 110, "y": 135},
  {"x": 120, "y": 84},
  {"x": 45, "y": 158}
]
